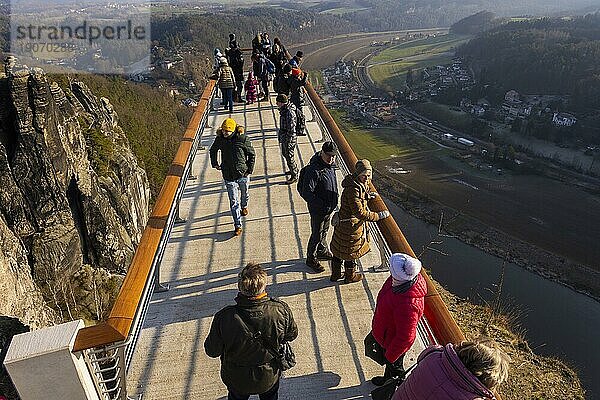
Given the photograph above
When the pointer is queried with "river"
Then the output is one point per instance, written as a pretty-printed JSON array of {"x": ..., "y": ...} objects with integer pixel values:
[{"x": 557, "y": 321}]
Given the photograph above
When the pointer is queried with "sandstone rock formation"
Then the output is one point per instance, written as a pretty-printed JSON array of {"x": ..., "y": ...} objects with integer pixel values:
[{"x": 73, "y": 200}]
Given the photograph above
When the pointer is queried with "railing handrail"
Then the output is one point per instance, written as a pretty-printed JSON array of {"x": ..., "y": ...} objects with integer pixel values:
[
  {"x": 442, "y": 323},
  {"x": 140, "y": 274}
]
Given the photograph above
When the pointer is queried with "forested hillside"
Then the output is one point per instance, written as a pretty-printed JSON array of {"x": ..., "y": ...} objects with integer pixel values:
[
  {"x": 381, "y": 15},
  {"x": 476, "y": 23},
  {"x": 549, "y": 56},
  {"x": 207, "y": 31}
]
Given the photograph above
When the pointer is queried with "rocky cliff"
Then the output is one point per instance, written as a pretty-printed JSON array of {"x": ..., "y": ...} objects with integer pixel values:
[{"x": 73, "y": 200}]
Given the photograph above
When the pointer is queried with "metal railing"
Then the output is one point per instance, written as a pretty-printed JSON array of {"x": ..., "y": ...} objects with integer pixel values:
[
  {"x": 384, "y": 250},
  {"x": 108, "y": 347},
  {"x": 441, "y": 327}
]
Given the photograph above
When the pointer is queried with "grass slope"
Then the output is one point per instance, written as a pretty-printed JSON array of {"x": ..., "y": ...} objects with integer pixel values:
[
  {"x": 388, "y": 68},
  {"x": 381, "y": 143}
]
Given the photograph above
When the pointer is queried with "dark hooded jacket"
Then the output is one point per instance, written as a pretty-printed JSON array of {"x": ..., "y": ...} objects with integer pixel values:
[
  {"x": 237, "y": 154},
  {"x": 246, "y": 366},
  {"x": 319, "y": 186},
  {"x": 296, "y": 85}
]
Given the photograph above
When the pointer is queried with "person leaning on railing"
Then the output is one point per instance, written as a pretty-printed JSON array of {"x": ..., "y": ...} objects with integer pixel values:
[
  {"x": 468, "y": 371},
  {"x": 400, "y": 306},
  {"x": 350, "y": 237}
]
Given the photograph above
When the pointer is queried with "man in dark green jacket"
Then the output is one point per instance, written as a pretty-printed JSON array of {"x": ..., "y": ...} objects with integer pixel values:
[
  {"x": 238, "y": 333},
  {"x": 237, "y": 163}
]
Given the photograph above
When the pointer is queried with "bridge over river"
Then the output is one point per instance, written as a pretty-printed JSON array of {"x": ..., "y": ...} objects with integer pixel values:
[{"x": 152, "y": 343}]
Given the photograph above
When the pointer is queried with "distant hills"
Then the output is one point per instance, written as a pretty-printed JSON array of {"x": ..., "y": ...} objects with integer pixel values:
[{"x": 541, "y": 55}]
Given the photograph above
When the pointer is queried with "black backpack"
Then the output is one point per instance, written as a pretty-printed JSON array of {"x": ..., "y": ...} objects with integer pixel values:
[
  {"x": 237, "y": 57},
  {"x": 301, "y": 178}
]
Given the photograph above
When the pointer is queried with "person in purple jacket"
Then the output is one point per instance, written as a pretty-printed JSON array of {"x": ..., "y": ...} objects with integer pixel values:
[{"x": 468, "y": 371}]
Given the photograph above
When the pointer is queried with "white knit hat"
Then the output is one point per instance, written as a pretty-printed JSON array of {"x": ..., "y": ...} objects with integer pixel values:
[{"x": 404, "y": 267}]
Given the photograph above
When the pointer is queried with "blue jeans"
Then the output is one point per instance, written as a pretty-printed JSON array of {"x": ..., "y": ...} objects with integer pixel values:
[
  {"x": 238, "y": 198},
  {"x": 228, "y": 98},
  {"x": 271, "y": 394}
]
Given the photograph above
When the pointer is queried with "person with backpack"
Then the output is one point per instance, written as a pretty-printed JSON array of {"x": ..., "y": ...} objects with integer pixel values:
[
  {"x": 263, "y": 68},
  {"x": 236, "y": 61},
  {"x": 297, "y": 83},
  {"x": 245, "y": 336},
  {"x": 287, "y": 135},
  {"x": 350, "y": 239},
  {"x": 317, "y": 184},
  {"x": 237, "y": 164}
]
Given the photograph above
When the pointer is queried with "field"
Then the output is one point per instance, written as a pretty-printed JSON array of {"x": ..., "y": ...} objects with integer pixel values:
[
  {"x": 549, "y": 214},
  {"x": 343, "y": 10},
  {"x": 388, "y": 68},
  {"x": 444, "y": 115},
  {"x": 382, "y": 143},
  {"x": 323, "y": 53}
]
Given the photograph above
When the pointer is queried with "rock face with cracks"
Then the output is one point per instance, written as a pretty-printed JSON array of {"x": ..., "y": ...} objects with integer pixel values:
[{"x": 73, "y": 200}]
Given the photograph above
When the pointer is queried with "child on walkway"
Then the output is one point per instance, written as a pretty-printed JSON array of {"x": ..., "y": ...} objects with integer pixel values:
[{"x": 250, "y": 87}]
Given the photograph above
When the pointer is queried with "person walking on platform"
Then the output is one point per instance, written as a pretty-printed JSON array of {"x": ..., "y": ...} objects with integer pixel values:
[
  {"x": 237, "y": 164},
  {"x": 318, "y": 187},
  {"x": 243, "y": 336},
  {"x": 469, "y": 371},
  {"x": 400, "y": 305},
  {"x": 297, "y": 89},
  {"x": 226, "y": 82},
  {"x": 287, "y": 135},
  {"x": 350, "y": 236}
]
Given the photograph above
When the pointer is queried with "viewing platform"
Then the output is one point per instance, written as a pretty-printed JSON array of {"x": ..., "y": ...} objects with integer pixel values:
[
  {"x": 151, "y": 346},
  {"x": 203, "y": 258}
]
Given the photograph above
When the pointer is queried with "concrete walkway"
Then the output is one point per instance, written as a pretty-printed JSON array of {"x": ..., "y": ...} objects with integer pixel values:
[{"x": 201, "y": 264}]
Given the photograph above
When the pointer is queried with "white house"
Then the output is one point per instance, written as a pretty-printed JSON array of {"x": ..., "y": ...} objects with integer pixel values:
[{"x": 563, "y": 119}]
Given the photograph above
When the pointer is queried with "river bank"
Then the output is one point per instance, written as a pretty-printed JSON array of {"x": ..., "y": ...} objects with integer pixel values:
[
  {"x": 531, "y": 376},
  {"x": 577, "y": 277}
]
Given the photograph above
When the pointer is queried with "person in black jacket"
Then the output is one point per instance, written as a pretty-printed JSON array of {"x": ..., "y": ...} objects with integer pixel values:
[
  {"x": 236, "y": 61},
  {"x": 247, "y": 367},
  {"x": 237, "y": 163},
  {"x": 320, "y": 190}
]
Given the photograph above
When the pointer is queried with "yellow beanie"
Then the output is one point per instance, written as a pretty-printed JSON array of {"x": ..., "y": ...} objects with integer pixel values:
[{"x": 228, "y": 125}]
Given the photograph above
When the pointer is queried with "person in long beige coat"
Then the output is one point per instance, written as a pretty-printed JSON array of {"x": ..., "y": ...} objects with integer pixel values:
[{"x": 350, "y": 239}]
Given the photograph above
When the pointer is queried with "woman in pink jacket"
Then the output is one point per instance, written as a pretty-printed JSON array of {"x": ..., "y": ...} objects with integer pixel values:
[
  {"x": 468, "y": 371},
  {"x": 400, "y": 305}
]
